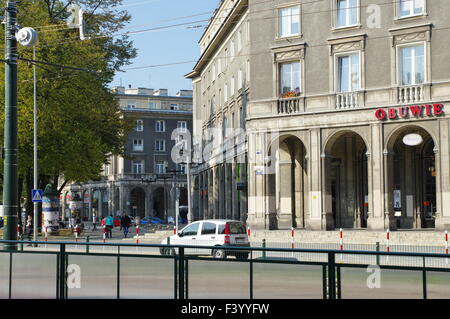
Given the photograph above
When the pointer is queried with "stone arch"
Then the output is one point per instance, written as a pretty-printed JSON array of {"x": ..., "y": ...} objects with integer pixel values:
[
  {"x": 137, "y": 201},
  {"x": 345, "y": 167},
  {"x": 411, "y": 178},
  {"x": 286, "y": 178}
]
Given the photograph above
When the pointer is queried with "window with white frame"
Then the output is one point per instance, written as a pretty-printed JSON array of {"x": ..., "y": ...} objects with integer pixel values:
[
  {"x": 160, "y": 167},
  {"x": 131, "y": 104},
  {"x": 213, "y": 71},
  {"x": 290, "y": 76},
  {"x": 407, "y": 8},
  {"x": 182, "y": 125},
  {"x": 138, "y": 145},
  {"x": 219, "y": 67},
  {"x": 181, "y": 168},
  {"x": 240, "y": 83},
  {"x": 152, "y": 105},
  {"x": 288, "y": 21},
  {"x": 348, "y": 72},
  {"x": 225, "y": 92},
  {"x": 160, "y": 145},
  {"x": 347, "y": 13},
  {"x": 239, "y": 40},
  {"x": 232, "y": 86},
  {"x": 137, "y": 167},
  {"x": 232, "y": 50},
  {"x": 412, "y": 64},
  {"x": 174, "y": 106},
  {"x": 160, "y": 126},
  {"x": 139, "y": 125}
]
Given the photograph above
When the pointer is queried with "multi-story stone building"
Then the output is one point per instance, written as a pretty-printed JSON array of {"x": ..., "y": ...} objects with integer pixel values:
[
  {"x": 141, "y": 183},
  {"x": 220, "y": 83},
  {"x": 346, "y": 116}
]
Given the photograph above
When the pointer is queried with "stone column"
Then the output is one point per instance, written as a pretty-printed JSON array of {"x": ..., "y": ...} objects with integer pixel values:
[
  {"x": 328, "y": 222},
  {"x": 317, "y": 219},
  {"x": 375, "y": 179},
  {"x": 389, "y": 218},
  {"x": 442, "y": 158}
]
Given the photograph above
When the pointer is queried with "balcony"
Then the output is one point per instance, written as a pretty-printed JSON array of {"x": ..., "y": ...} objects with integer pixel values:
[
  {"x": 289, "y": 105},
  {"x": 347, "y": 100},
  {"x": 411, "y": 94}
]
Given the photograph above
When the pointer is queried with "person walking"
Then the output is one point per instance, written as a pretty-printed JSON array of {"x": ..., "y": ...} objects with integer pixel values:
[
  {"x": 125, "y": 223},
  {"x": 94, "y": 221},
  {"x": 29, "y": 228},
  {"x": 109, "y": 225}
]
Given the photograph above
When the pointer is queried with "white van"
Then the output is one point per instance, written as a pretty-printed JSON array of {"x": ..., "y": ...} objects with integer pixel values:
[{"x": 212, "y": 232}]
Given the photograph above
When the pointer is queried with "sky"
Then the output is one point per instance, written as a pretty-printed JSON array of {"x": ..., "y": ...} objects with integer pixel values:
[{"x": 165, "y": 46}]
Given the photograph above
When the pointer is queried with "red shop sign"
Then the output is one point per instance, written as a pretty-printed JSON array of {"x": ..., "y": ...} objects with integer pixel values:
[{"x": 407, "y": 111}]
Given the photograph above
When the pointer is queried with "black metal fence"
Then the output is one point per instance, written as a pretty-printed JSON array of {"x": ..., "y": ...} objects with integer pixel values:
[{"x": 118, "y": 270}]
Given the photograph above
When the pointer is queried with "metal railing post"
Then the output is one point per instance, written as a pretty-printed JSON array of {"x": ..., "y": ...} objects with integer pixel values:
[
  {"x": 377, "y": 248},
  {"x": 10, "y": 273},
  {"x": 251, "y": 276},
  {"x": 264, "y": 246},
  {"x": 118, "y": 272},
  {"x": 331, "y": 276},
  {"x": 424, "y": 280},
  {"x": 87, "y": 246},
  {"x": 62, "y": 271},
  {"x": 324, "y": 282},
  {"x": 181, "y": 273}
]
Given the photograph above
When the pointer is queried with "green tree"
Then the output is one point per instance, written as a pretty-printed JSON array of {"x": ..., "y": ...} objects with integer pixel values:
[{"x": 79, "y": 121}]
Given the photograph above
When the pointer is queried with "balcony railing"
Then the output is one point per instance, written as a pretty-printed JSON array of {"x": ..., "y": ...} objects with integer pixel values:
[
  {"x": 411, "y": 94},
  {"x": 289, "y": 105},
  {"x": 346, "y": 100}
]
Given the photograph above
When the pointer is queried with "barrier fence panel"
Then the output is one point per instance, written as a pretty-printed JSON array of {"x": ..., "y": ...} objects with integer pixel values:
[{"x": 110, "y": 270}]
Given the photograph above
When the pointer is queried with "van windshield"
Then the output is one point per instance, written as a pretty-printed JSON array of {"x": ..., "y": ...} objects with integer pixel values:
[{"x": 235, "y": 228}]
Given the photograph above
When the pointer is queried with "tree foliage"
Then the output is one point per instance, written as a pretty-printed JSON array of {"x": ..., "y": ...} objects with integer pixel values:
[{"x": 79, "y": 122}]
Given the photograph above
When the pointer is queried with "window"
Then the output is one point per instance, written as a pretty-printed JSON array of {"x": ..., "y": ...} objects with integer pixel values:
[
  {"x": 182, "y": 125},
  {"x": 411, "y": 7},
  {"x": 347, "y": 13},
  {"x": 160, "y": 126},
  {"x": 412, "y": 65},
  {"x": 191, "y": 230},
  {"x": 233, "y": 228},
  {"x": 208, "y": 228},
  {"x": 232, "y": 53},
  {"x": 226, "y": 57},
  {"x": 240, "y": 83},
  {"x": 349, "y": 78},
  {"x": 290, "y": 79},
  {"x": 160, "y": 167},
  {"x": 289, "y": 21},
  {"x": 160, "y": 145},
  {"x": 224, "y": 126},
  {"x": 152, "y": 105},
  {"x": 138, "y": 145},
  {"x": 239, "y": 40},
  {"x": 174, "y": 106},
  {"x": 232, "y": 86},
  {"x": 137, "y": 167},
  {"x": 219, "y": 67},
  {"x": 225, "y": 92},
  {"x": 131, "y": 104},
  {"x": 213, "y": 72},
  {"x": 181, "y": 168},
  {"x": 139, "y": 125}
]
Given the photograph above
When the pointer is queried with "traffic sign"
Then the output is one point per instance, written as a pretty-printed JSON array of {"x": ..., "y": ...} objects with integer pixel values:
[{"x": 37, "y": 195}]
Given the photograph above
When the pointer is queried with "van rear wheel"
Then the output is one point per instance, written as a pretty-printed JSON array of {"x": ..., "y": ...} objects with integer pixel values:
[{"x": 219, "y": 253}]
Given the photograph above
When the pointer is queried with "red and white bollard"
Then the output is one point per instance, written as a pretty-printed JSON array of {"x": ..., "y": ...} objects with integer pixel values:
[
  {"x": 248, "y": 231},
  {"x": 174, "y": 230},
  {"x": 446, "y": 246},
  {"x": 76, "y": 233},
  {"x": 137, "y": 236},
  {"x": 292, "y": 240},
  {"x": 46, "y": 236},
  {"x": 341, "y": 242},
  {"x": 388, "y": 249}
]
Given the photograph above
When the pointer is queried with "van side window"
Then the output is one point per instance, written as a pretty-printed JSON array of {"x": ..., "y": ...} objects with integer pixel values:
[
  {"x": 191, "y": 230},
  {"x": 209, "y": 229}
]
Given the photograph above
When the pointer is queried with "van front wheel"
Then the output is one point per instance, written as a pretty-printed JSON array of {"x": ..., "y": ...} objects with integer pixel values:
[{"x": 219, "y": 253}]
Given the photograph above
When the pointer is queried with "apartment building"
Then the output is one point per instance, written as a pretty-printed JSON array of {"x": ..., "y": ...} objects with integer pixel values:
[
  {"x": 346, "y": 122},
  {"x": 142, "y": 182}
]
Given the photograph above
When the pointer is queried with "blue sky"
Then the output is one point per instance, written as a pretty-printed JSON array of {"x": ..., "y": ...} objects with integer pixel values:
[{"x": 165, "y": 46}]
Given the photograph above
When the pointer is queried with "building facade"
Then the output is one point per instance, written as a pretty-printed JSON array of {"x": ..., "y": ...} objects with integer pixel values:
[
  {"x": 142, "y": 182},
  {"x": 221, "y": 88},
  {"x": 346, "y": 121}
]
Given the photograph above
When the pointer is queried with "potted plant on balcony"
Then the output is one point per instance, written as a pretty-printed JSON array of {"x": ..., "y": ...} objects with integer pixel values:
[{"x": 290, "y": 94}]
